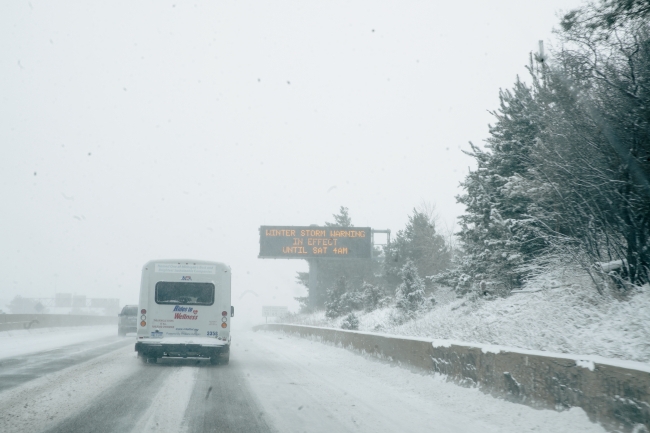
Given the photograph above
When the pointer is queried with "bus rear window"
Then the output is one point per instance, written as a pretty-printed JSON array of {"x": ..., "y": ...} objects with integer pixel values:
[{"x": 178, "y": 293}]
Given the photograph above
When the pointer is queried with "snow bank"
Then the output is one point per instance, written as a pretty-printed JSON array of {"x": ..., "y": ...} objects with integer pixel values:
[{"x": 553, "y": 318}]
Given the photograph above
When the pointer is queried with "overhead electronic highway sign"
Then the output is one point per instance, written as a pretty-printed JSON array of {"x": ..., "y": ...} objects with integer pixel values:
[{"x": 312, "y": 242}]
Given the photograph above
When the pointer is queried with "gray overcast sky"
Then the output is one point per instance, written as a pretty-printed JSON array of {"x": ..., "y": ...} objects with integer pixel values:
[{"x": 140, "y": 130}]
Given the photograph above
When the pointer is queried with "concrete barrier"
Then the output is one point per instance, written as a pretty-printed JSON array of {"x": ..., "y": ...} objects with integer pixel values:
[
  {"x": 10, "y": 322},
  {"x": 616, "y": 396}
]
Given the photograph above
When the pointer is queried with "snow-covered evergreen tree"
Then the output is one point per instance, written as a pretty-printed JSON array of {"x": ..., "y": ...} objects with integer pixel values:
[
  {"x": 566, "y": 169},
  {"x": 333, "y": 306},
  {"x": 496, "y": 233},
  {"x": 342, "y": 219},
  {"x": 419, "y": 242}
]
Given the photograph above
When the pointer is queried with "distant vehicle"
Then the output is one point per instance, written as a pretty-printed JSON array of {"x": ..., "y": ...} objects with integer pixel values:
[
  {"x": 184, "y": 311},
  {"x": 127, "y": 320}
]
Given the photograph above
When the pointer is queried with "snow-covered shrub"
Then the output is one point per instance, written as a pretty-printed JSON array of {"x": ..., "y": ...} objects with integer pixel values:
[
  {"x": 341, "y": 299},
  {"x": 464, "y": 283},
  {"x": 384, "y": 302},
  {"x": 350, "y": 322},
  {"x": 560, "y": 311},
  {"x": 371, "y": 296},
  {"x": 351, "y": 301},
  {"x": 410, "y": 296}
]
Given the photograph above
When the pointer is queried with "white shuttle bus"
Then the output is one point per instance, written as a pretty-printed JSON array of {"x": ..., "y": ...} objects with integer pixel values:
[{"x": 184, "y": 311}]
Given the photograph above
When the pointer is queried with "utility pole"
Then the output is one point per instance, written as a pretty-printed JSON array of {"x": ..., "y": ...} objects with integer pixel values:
[{"x": 540, "y": 57}]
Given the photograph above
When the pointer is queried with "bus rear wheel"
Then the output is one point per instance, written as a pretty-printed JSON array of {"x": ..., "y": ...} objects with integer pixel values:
[
  {"x": 220, "y": 359},
  {"x": 147, "y": 359}
]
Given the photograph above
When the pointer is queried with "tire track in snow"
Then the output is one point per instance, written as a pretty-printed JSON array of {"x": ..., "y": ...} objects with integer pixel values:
[
  {"x": 119, "y": 408},
  {"x": 18, "y": 370},
  {"x": 223, "y": 402},
  {"x": 39, "y": 404},
  {"x": 168, "y": 408}
]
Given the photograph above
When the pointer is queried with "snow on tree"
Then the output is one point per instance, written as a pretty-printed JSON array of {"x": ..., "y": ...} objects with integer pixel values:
[
  {"x": 410, "y": 296},
  {"x": 566, "y": 169},
  {"x": 342, "y": 219},
  {"x": 333, "y": 307},
  {"x": 342, "y": 299},
  {"x": 350, "y": 322},
  {"x": 371, "y": 295},
  {"x": 419, "y": 242},
  {"x": 495, "y": 237}
]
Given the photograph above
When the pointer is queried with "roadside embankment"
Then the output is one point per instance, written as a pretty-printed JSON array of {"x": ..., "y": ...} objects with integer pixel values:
[
  {"x": 616, "y": 394},
  {"x": 10, "y": 322}
]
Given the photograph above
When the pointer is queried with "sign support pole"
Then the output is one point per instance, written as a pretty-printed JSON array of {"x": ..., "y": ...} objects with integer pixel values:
[{"x": 313, "y": 283}]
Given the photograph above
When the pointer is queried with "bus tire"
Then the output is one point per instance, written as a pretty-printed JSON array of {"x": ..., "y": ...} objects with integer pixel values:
[
  {"x": 147, "y": 359},
  {"x": 219, "y": 359}
]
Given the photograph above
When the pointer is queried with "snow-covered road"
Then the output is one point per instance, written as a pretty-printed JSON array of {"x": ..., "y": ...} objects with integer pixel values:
[
  {"x": 274, "y": 383},
  {"x": 25, "y": 341}
]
